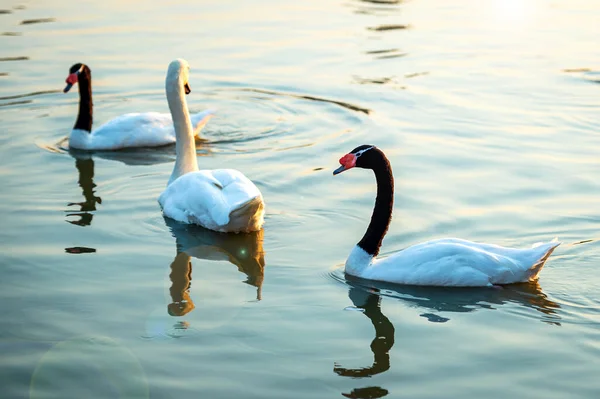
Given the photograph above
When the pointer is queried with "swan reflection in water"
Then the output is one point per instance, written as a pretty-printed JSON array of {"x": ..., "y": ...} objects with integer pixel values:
[
  {"x": 366, "y": 296},
  {"x": 370, "y": 304},
  {"x": 84, "y": 162},
  {"x": 85, "y": 167},
  {"x": 243, "y": 250}
]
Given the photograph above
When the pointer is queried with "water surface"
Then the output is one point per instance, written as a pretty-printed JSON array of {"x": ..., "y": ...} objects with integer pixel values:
[{"x": 488, "y": 111}]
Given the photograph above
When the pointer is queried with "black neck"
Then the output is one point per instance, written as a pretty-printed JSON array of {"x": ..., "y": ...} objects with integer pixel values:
[
  {"x": 382, "y": 213},
  {"x": 86, "y": 108}
]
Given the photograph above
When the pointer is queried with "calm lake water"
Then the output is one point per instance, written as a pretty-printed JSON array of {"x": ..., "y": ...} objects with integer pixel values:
[{"x": 488, "y": 111}]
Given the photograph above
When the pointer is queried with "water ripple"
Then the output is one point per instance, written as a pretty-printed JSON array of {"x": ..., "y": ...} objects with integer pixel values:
[
  {"x": 381, "y": 28},
  {"x": 16, "y": 103},
  {"x": 37, "y": 21},
  {"x": 35, "y": 93},
  {"x": 2, "y": 59},
  {"x": 314, "y": 98},
  {"x": 438, "y": 301}
]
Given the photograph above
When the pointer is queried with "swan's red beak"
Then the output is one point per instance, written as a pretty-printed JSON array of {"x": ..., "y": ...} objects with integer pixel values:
[
  {"x": 70, "y": 81},
  {"x": 348, "y": 161},
  {"x": 187, "y": 88}
]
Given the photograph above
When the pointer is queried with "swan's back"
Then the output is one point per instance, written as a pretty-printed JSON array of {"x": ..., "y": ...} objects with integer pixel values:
[
  {"x": 147, "y": 129},
  {"x": 220, "y": 200},
  {"x": 456, "y": 262}
]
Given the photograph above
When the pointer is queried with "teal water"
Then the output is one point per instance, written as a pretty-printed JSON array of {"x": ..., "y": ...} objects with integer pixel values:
[{"x": 488, "y": 111}]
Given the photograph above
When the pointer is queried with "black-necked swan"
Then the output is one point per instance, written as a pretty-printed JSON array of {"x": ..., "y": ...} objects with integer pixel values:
[
  {"x": 148, "y": 129},
  {"x": 442, "y": 262},
  {"x": 222, "y": 199}
]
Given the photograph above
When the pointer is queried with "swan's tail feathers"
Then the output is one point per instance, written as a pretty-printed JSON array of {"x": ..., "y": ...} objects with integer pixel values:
[
  {"x": 247, "y": 217},
  {"x": 200, "y": 119},
  {"x": 535, "y": 270}
]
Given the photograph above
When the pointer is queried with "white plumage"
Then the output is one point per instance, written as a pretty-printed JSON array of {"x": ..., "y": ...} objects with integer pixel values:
[
  {"x": 449, "y": 262},
  {"x": 452, "y": 262},
  {"x": 148, "y": 129},
  {"x": 221, "y": 200}
]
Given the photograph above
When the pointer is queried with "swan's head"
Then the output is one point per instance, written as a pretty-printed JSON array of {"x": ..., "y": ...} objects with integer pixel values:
[
  {"x": 178, "y": 75},
  {"x": 73, "y": 77},
  {"x": 362, "y": 156}
]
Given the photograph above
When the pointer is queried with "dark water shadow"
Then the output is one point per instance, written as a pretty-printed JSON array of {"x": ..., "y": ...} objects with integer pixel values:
[
  {"x": 438, "y": 303},
  {"x": 366, "y": 296},
  {"x": 128, "y": 156},
  {"x": 387, "y": 27},
  {"x": 384, "y": 51},
  {"x": 32, "y": 94},
  {"x": 80, "y": 250},
  {"x": 13, "y": 59},
  {"x": 586, "y": 241},
  {"x": 415, "y": 74},
  {"x": 11, "y": 34},
  {"x": 83, "y": 216},
  {"x": 84, "y": 163},
  {"x": 383, "y": 2},
  {"x": 374, "y": 81},
  {"x": 17, "y": 97},
  {"x": 16, "y": 103},
  {"x": 346, "y": 105},
  {"x": 245, "y": 251},
  {"x": 370, "y": 304},
  {"x": 37, "y": 21}
]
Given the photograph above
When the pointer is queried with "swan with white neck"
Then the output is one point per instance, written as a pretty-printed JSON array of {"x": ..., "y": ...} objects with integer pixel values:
[
  {"x": 148, "y": 129},
  {"x": 222, "y": 199},
  {"x": 442, "y": 262}
]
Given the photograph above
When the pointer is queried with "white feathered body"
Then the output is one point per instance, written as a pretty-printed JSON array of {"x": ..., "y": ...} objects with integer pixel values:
[
  {"x": 221, "y": 200},
  {"x": 452, "y": 262},
  {"x": 148, "y": 129}
]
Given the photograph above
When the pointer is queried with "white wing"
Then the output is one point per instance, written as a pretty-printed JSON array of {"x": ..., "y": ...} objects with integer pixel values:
[
  {"x": 148, "y": 129},
  {"x": 220, "y": 200},
  {"x": 456, "y": 262}
]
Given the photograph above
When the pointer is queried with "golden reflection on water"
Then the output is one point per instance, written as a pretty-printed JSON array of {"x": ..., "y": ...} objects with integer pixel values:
[
  {"x": 243, "y": 250},
  {"x": 181, "y": 279}
]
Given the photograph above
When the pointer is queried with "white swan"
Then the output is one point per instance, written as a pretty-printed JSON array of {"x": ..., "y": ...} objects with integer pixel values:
[
  {"x": 221, "y": 200},
  {"x": 442, "y": 262},
  {"x": 149, "y": 129}
]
